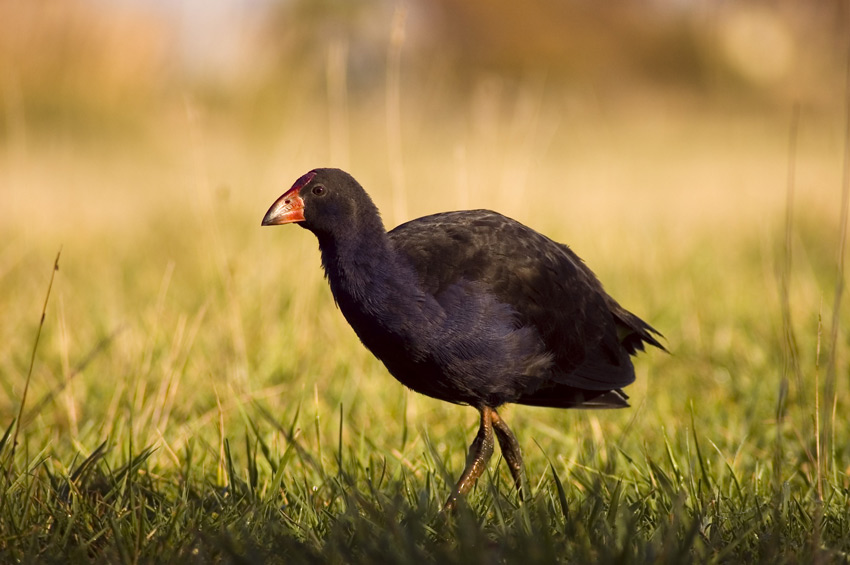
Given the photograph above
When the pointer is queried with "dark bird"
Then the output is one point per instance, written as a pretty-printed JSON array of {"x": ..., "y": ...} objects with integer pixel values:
[{"x": 469, "y": 307}]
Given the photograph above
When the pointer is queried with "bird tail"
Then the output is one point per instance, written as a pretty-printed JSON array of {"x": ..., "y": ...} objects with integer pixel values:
[
  {"x": 570, "y": 397},
  {"x": 633, "y": 332}
]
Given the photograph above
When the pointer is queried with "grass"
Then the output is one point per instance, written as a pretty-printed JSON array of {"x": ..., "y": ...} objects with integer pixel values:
[{"x": 196, "y": 397}]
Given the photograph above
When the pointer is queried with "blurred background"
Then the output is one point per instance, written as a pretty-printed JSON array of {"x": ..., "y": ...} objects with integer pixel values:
[
  {"x": 487, "y": 91},
  {"x": 147, "y": 138},
  {"x": 79, "y": 60}
]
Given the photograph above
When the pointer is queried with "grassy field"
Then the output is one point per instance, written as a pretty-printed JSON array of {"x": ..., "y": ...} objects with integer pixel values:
[{"x": 195, "y": 395}]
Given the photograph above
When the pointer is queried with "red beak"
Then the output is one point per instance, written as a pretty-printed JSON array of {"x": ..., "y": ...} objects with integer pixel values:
[{"x": 287, "y": 209}]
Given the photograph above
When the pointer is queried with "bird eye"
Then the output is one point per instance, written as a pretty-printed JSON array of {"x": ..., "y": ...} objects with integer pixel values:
[{"x": 318, "y": 190}]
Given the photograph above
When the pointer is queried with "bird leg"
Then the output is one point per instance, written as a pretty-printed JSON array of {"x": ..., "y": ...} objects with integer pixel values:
[
  {"x": 510, "y": 450},
  {"x": 479, "y": 453}
]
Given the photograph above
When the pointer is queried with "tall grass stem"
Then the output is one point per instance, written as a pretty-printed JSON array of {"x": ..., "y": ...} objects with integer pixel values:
[
  {"x": 19, "y": 424},
  {"x": 394, "y": 151}
]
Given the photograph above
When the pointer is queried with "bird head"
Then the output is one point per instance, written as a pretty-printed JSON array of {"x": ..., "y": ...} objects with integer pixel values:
[{"x": 323, "y": 201}]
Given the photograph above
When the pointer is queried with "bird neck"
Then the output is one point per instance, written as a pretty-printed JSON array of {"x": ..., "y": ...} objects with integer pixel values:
[{"x": 367, "y": 276}]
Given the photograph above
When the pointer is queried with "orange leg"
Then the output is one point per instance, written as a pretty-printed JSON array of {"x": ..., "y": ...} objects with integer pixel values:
[
  {"x": 479, "y": 454},
  {"x": 510, "y": 450},
  {"x": 482, "y": 449}
]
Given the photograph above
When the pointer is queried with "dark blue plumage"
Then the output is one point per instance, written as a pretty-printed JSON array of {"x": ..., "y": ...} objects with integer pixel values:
[{"x": 469, "y": 307}]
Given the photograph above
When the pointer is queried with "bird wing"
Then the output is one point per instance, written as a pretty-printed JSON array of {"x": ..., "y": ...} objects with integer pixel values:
[{"x": 547, "y": 285}]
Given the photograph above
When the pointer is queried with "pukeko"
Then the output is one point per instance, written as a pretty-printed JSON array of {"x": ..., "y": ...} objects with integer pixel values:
[{"x": 469, "y": 307}]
